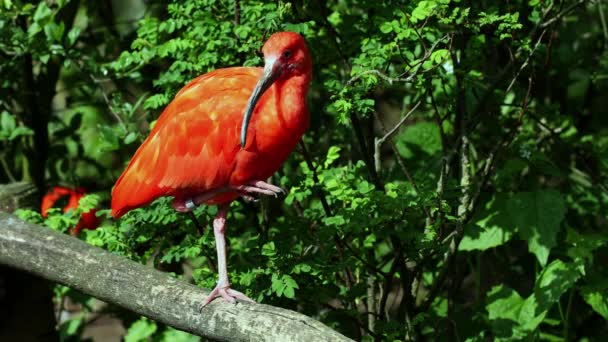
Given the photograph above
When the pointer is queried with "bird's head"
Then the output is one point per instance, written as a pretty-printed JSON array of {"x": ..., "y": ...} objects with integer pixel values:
[{"x": 285, "y": 55}]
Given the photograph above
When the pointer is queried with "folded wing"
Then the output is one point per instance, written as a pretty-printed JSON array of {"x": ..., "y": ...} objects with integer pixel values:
[{"x": 193, "y": 146}]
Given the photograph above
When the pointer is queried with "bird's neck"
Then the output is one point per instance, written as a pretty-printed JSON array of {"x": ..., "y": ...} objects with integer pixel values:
[{"x": 292, "y": 101}]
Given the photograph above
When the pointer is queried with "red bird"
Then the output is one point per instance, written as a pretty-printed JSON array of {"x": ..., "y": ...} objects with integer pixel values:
[
  {"x": 223, "y": 134},
  {"x": 87, "y": 220}
]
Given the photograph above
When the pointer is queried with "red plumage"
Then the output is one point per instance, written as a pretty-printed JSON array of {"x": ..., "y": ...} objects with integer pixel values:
[
  {"x": 194, "y": 145},
  {"x": 88, "y": 220},
  {"x": 222, "y": 135}
]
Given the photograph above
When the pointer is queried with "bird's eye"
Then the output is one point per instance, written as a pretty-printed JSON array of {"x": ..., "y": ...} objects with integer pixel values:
[{"x": 287, "y": 54}]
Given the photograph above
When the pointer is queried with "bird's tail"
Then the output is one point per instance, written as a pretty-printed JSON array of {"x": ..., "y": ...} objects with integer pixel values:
[{"x": 130, "y": 193}]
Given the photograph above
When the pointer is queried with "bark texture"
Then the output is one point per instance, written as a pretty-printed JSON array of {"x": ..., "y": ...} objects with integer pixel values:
[{"x": 146, "y": 291}]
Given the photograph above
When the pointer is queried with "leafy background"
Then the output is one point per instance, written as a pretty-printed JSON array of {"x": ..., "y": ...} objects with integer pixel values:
[{"x": 452, "y": 184}]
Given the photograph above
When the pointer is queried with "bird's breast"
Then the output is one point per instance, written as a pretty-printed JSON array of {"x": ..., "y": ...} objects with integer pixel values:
[{"x": 274, "y": 134}]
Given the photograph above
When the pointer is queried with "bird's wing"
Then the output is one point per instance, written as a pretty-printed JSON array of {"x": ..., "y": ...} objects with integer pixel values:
[{"x": 193, "y": 145}]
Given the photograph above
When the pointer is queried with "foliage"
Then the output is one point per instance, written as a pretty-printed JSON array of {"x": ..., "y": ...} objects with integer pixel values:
[{"x": 480, "y": 215}]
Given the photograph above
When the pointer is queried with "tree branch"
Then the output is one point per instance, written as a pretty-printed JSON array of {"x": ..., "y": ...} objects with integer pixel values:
[
  {"x": 562, "y": 13},
  {"x": 146, "y": 291}
]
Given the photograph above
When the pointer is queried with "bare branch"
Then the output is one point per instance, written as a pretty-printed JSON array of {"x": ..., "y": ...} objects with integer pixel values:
[
  {"x": 146, "y": 291},
  {"x": 525, "y": 63},
  {"x": 603, "y": 21},
  {"x": 108, "y": 102},
  {"x": 386, "y": 136},
  {"x": 237, "y": 12},
  {"x": 394, "y": 129},
  {"x": 444, "y": 160},
  {"x": 562, "y": 13}
]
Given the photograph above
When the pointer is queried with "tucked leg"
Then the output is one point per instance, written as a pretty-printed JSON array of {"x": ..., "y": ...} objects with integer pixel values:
[
  {"x": 247, "y": 190},
  {"x": 223, "y": 285},
  {"x": 260, "y": 187}
]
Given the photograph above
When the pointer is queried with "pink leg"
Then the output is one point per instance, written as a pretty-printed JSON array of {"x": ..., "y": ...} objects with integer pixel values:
[
  {"x": 247, "y": 190},
  {"x": 260, "y": 187},
  {"x": 223, "y": 285}
]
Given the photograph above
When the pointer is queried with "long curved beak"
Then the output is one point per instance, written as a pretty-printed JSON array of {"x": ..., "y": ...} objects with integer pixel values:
[{"x": 272, "y": 70}]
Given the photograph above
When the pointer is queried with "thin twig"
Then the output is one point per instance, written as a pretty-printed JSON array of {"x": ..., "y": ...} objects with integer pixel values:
[
  {"x": 397, "y": 155},
  {"x": 237, "y": 12},
  {"x": 387, "y": 284},
  {"x": 379, "y": 141},
  {"x": 562, "y": 13},
  {"x": 540, "y": 38},
  {"x": 103, "y": 93},
  {"x": 603, "y": 20},
  {"x": 199, "y": 228},
  {"x": 401, "y": 78},
  {"x": 7, "y": 169},
  {"x": 394, "y": 129},
  {"x": 372, "y": 303},
  {"x": 367, "y": 156},
  {"x": 444, "y": 165},
  {"x": 109, "y": 103}
]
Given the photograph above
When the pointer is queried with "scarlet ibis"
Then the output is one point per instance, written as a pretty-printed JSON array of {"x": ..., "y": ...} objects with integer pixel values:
[
  {"x": 88, "y": 220},
  {"x": 223, "y": 134}
]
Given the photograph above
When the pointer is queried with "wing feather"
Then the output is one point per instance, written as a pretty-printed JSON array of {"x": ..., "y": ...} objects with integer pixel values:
[{"x": 193, "y": 146}]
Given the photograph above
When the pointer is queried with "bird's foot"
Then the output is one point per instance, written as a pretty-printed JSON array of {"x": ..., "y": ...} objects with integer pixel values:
[
  {"x": 229, "y": 295},
  {"x": 260, "y": 187},
  {"x": 247, "y": 190},
  {"x": 249, "y": 199}
]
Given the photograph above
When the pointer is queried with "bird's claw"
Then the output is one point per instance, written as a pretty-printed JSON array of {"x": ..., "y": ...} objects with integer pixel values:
[
  {"x": 229, "y": 295},
  {"x": 261, "y": 187},
  {"x": 249, "y": 199}
]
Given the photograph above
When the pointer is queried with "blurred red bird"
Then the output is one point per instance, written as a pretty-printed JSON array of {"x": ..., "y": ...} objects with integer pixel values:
[
  {"x": 223, "y": 134},
  {"x": 88, "y": 220}
]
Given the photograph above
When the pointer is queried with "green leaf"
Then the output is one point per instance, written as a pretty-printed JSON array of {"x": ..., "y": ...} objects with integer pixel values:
[
  {"x": 596, "y": 295},
  {"x": 7, "y": 121},
  {"x": 369, "y": 241},
  {"x": 21, "y": 131},
  {"x": 108, "y": 139},
  {"x": 386, "y": 27},
  {"x": 140, "y": 330},
  {"x": 504, "y": 303},
  {"x": 337, "y": 220},
  {"x": 131, "y": 137},
  {"x": 54, "y": 32},
  {"x": 537, "y": 216},
  {"x": 332, "y": 155},
  {"x": 582, "y": 246},
  {"x": 490, "y": 227},
  {"x": 290, "y": 286},
  {"x": 268, "y": 249},
  {"x": 173, "y": 335},
  {"x": 439, "y": 56},
  {"x": 513, "y": 318},
  {"x": 419, "y": 140},
  {"x": 423, "y": 10},
  {"x": 69, "y": 329},
  {"x": 277, "y": 285},
  {"x": 42, "y": 12},
  {"x": 73, "y": 36},
  {"x": 554, "y": 280},
  {"x": 242, "y": 31}
]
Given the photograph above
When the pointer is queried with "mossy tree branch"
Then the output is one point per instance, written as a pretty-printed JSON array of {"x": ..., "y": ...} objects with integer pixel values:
[{"x": 146, "y": 291}]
